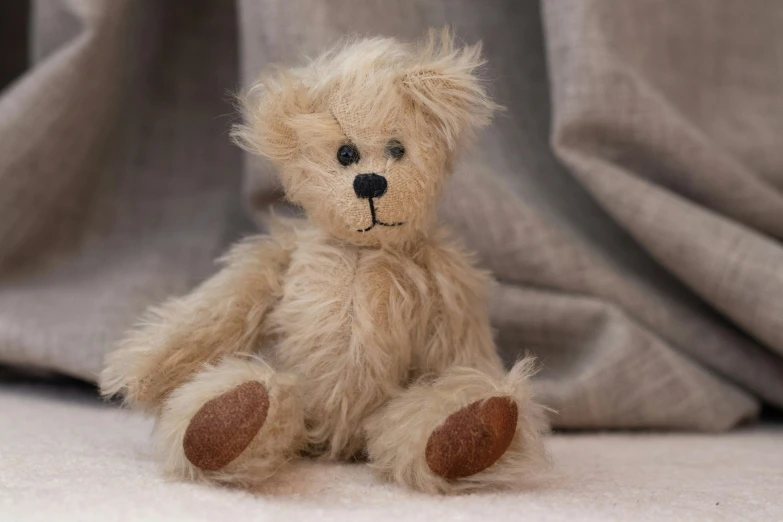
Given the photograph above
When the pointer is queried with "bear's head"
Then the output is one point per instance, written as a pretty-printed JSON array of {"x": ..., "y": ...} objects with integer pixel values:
[{"x": 365, "y": 135}]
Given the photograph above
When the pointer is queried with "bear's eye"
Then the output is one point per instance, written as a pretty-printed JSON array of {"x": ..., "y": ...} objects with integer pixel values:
[
  {"x": 347, "y": 155},
  {"x": 395, "y": 149}
]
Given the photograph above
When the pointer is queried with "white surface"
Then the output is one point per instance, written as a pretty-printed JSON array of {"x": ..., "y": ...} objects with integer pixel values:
[{"x": 64, "y": 456}]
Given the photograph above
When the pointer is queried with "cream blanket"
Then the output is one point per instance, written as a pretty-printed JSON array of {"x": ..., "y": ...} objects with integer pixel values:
[{"x": 66, "y": 457}]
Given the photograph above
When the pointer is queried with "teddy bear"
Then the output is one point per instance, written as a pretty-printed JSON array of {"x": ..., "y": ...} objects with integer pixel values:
[{"x": 362, "y": 330}]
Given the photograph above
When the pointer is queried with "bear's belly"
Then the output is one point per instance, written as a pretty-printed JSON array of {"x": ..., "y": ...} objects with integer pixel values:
[{"x": 345, "y": 326}]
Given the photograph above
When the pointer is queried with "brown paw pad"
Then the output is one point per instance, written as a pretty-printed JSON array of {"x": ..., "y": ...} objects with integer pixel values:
[
  {"x": 472, "y": 439},
  {"x": 224, "y": 426}
]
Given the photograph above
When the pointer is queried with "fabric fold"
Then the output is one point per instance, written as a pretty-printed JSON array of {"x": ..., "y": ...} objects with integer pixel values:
[{"x": 629, "y": 200}]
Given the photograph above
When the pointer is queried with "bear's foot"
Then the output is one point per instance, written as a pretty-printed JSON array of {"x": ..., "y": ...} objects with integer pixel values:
[
  {"x": 473, "y": 438},
  {"x": 223, "y": 427}
]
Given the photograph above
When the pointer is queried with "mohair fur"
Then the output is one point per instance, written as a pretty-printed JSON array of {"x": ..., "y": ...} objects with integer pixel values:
[{"x": 365, "y": 340}]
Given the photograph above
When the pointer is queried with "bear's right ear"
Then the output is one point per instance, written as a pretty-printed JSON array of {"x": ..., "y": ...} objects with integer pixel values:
[{"x": 272, "y": 108}]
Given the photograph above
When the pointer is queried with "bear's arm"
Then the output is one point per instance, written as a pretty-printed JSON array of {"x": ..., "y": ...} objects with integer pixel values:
[
  {"x": 460, "y": 331},
  {"x": 220, "y": 317}
]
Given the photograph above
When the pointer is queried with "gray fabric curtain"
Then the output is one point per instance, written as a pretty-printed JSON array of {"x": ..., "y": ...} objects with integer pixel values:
[{"x": 629, "y": 201}]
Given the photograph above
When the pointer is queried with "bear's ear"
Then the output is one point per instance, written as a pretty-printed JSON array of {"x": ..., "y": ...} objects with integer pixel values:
[
  {"x": 272, "y": 109},
  {"x": 444, "y": 83}
]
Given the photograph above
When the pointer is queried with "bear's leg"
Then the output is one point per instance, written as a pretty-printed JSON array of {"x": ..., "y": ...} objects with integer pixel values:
[
  {"x": 464, "y": 430},
  {"x": 235, "y": 422}
]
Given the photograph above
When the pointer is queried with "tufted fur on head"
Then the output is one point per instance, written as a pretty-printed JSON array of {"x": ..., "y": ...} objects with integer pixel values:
[{"x": 370, "y": 95}]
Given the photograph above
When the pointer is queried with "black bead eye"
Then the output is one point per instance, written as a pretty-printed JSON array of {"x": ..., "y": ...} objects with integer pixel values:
[
  {"x": 347, "y": 155},
  {"x": 395, "y": 149}
]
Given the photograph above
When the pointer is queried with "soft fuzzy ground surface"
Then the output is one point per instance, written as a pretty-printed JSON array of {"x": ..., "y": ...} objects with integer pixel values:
[{"x": 65, "y": 456}]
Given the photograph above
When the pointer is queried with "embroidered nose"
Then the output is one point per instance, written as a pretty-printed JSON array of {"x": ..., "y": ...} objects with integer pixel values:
[{"x": 369, "y": 185}]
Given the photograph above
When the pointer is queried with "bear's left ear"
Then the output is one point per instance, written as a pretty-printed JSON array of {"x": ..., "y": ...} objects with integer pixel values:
[{"x": 444, "y": 83}]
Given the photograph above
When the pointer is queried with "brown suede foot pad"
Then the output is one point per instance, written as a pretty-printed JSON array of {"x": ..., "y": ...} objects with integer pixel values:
[
  {"x": 224, "y": 426},
  {"x": 472, "y": 439}
]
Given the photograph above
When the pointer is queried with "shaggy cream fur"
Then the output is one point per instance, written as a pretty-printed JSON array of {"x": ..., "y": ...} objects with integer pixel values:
[
  {"x": 279, "y": 439},
  {"x": 367, "y": 324},
  {"x": 397, "y": 434}
]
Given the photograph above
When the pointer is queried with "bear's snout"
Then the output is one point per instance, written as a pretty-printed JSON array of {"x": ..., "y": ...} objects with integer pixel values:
[{"x": 369, "y": 186}]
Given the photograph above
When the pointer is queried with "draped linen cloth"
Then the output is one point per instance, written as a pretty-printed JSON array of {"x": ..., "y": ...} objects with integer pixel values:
[{"x": 629, "y": 200}]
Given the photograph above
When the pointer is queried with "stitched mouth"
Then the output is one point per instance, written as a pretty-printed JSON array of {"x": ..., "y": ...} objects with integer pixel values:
[{"x": 376, "y": 221}]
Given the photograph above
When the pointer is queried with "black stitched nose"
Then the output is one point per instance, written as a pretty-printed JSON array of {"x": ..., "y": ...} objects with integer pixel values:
[{"x": 369, "y": 185}]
